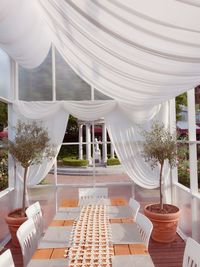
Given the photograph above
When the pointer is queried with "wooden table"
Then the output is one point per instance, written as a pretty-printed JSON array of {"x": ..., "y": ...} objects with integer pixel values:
[{"x": 119, "y": 249}]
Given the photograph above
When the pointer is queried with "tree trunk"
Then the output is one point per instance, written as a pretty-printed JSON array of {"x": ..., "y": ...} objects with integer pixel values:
[
  {"x": 161, "y": 195},
  {"x": 24, "y": 192}
]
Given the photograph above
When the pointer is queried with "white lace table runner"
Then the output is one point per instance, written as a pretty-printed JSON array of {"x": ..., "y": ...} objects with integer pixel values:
[{"x": 91, "y": 244}]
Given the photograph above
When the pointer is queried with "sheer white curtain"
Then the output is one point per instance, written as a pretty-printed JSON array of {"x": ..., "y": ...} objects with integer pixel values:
[
  {"x": 54, "y": 119},
  {"x": 141, "y": 53},
  {"x": 23, "y": 34},
  {"x": 124, "y": 129},
  {"x": 126, "y": 137}
]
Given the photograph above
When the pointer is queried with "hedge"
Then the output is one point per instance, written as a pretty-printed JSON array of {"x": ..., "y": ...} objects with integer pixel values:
[
  {"x": 75, "y": 162},
  {"x": 111, "y": 162}
]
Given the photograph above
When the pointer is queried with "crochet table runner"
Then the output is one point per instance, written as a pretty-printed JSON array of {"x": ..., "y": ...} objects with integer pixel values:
[{"x": 91, "y": 244}]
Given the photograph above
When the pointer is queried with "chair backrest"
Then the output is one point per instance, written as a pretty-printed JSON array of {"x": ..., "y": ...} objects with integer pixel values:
[
  {"x": 135, "y": 206},
  {"x": 145, "y": 227},
  {"x": 6, "y": 259},
  {"x": 191, "y": 254},
  {"x": 26, "y": 235},
  {"x": 35, "y": 212},
  {"x": 92, "y": 195}
]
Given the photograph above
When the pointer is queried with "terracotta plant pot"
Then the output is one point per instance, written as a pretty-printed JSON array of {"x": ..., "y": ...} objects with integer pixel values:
[
  {"x": 164, "y": 225},
  {"x": 14, "y": 223}
]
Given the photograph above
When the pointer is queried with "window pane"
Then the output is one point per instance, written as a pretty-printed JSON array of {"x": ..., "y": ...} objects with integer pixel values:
[
  {"x": 100, "y": 96},
  {"x": 182, "y": 115},
  {"x": 4, "y": 74},
  {"x": 198, "y": 165},
  {"x": 69, "y": 86},
  {"x": 3, "y": 152},
  {"x": 183, "y": 201},
  {"x": 183, "y": 165},
  {"x": 197, "y": 107},
  {"x": 36, "y": 84}
]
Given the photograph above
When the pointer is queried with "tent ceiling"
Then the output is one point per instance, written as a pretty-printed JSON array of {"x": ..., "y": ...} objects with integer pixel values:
[{"x": 135, "y": 51}]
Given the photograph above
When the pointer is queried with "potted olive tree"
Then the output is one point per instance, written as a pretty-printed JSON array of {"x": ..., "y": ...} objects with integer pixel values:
[
  {"x": 160, "y": 146},
  {"x": 30, "y": 146}
]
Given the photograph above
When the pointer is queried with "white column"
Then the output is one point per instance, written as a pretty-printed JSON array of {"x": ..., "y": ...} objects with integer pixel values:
[
  {"x": 104, "y": 144},
  {"x": 80, "y": 131},
  {"x": 174, "y": 171},
  {"x": 53, "y": 57},
  {"x": 13, "y": 95},
  {"x": 192, "y": 138},
  {"x": 88, "y": 141},
  {"x": 112, "y": 151},
  {"x": 193, "y": 159},
  {"x": 14, "y": 81}
]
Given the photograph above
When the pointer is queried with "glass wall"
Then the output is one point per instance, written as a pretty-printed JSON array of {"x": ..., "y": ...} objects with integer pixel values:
[
  {"x": 5, "y": 72},
  {"x": 54, "y": 77},
  {"x": 100, "y": 96},
  {"x": 187, "y": 190},
  {"x": 69, "y": 86},
  {"x": 183, "y": 147},
  {"x": 36, "y": 84},
  {"x": 3, "y": 153},
  {"x": 197, "y": 119}
]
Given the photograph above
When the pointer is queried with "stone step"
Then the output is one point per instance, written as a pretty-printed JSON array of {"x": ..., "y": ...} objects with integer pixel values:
[{"x": 99, "y": 170}]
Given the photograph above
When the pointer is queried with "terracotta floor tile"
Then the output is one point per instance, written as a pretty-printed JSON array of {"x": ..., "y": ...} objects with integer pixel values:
[
  {"x": 43, "y": 253},
  {"x": 118, "y": 201},
  {"x": 128, "y": 220},
  {"x": 115, "y": 220},
  {"x": 57, "y": 223},
  {"x": 69, "y": 203},
  {"x": 121, "y": 250},
  {"x": 68, "y": 222},
  {"x": 138, "y": 249},
  {"x": 58, "y": 253}
]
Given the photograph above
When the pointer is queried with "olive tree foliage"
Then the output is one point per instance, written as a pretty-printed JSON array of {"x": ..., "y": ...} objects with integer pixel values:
[
  {"x": 160, "y": 146},
  {"x": 3, "y": 115},
  {"x": 30, "y": 146}
]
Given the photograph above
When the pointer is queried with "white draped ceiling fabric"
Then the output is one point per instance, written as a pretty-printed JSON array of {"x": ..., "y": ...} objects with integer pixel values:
[
  {"x": 136, "y": 51},
  {"x": 141, "y": 53},
  {"x": 23, "y": 34}
]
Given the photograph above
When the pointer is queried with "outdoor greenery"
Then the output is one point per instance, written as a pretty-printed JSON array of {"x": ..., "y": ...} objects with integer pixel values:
[
  {"x": 112, "y": 162},
  {"x": 68, "y": 151},
  {"x": 3, "y": 170},
  {"x": 72, "y": 126},
  {"x": 3, "y": 115},
  {"x": 184, "y": 173},
  {"x": 30, "y": 146},
  {"x": 159, "y": 145},
  {"x": 181, "y": 101},
  {"x": 75, "y": 162}
]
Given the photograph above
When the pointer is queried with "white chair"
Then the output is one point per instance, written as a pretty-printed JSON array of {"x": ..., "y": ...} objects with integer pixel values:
[
  {"x": 145, "y": 227},
  {"x": 92, "y": 195},
  {"x": 191, "y": 254},
  {"x": 27, "y": 237},
  {"x": 6, "y": 259},
  {"x": 35, "y": 212},
  {"x": 135, "y": 206}
]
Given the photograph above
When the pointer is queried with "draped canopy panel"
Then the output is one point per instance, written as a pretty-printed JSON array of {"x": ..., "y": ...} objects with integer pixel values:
[
  {"x": 23, "y": 34},
  {"x": 125, "y": 135},
  {"x": 140, "y": 52},
  {"x": 127, "y": 50}
]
